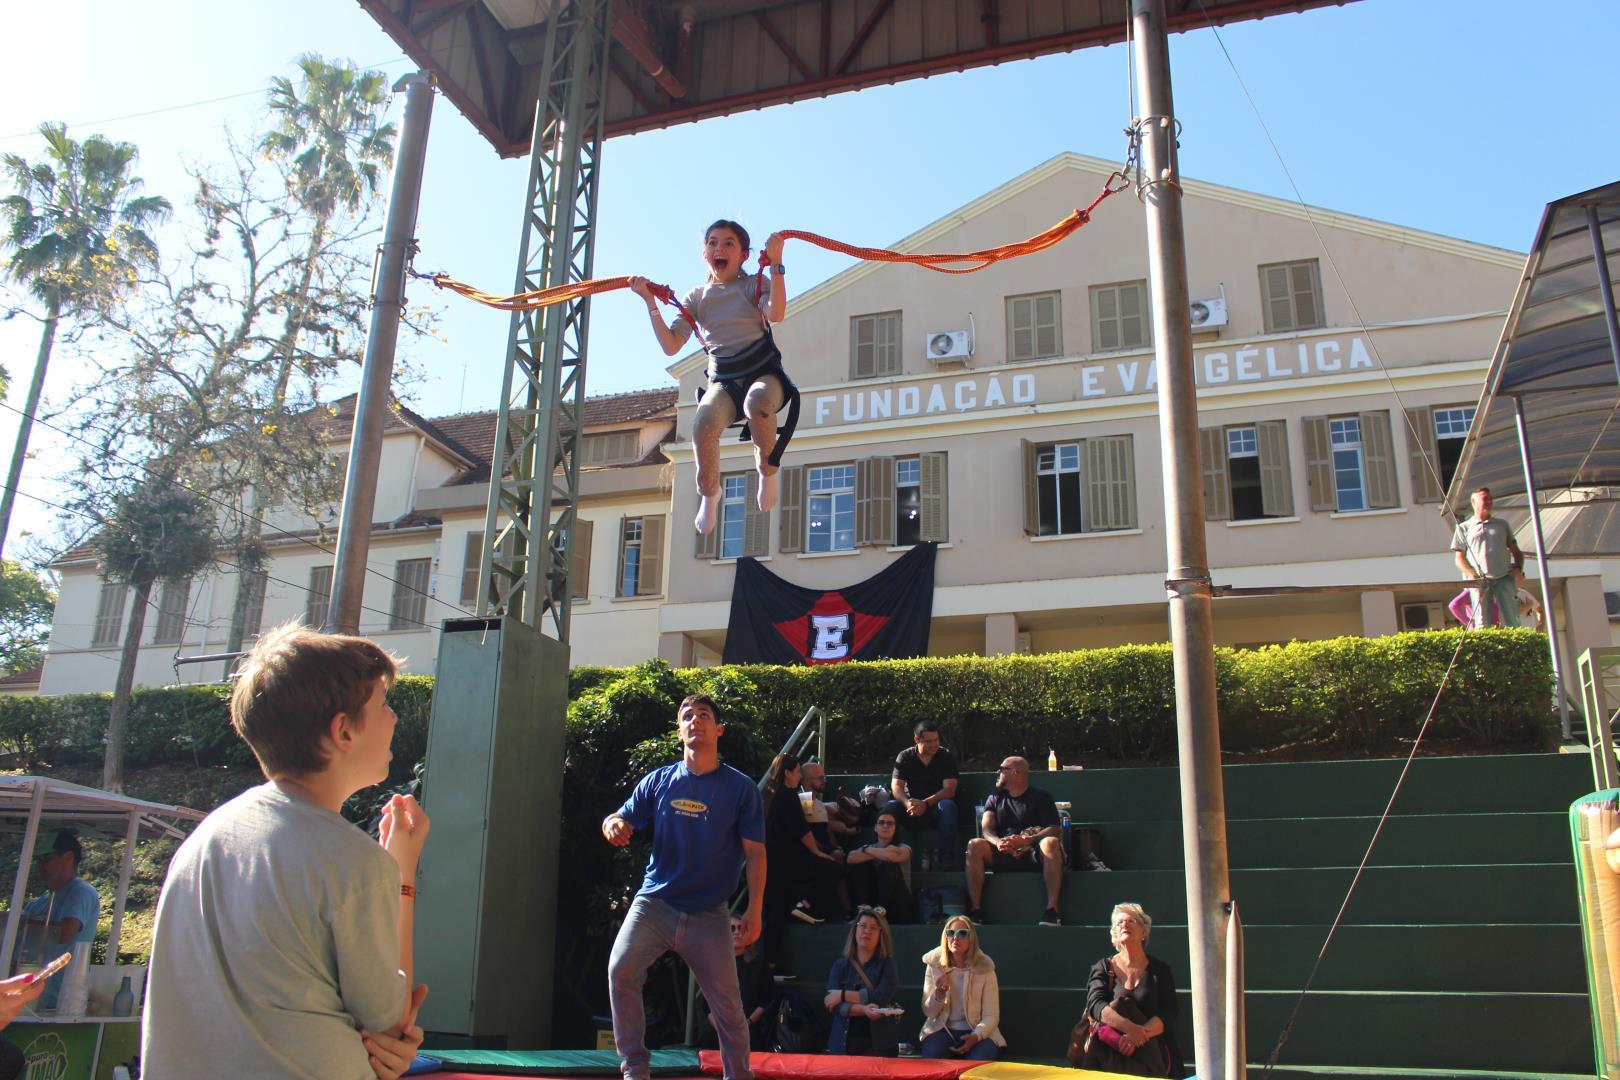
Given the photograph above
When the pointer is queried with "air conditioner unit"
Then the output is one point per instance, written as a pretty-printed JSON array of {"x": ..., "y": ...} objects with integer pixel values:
[
  {"x": 1207, "y": 313},
  {"x": 1423, "y": 616},
  {"x": 947, "y": 345}
]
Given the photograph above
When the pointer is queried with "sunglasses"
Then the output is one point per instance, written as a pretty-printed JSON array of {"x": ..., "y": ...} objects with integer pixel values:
[
  {"x": 871, "y": 909},
  {"x": 956, "y": 934}
]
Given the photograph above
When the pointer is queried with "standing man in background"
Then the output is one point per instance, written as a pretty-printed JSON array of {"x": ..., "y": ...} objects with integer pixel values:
[
  {"x": 1489, "y": 559},
  {"x": 707, "y": 821}
]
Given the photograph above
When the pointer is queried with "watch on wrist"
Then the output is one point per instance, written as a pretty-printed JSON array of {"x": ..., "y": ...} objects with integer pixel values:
[{"x": 777, "y": 269}]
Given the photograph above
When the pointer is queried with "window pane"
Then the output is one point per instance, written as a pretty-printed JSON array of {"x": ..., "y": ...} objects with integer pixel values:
[
  {"x": 733, "y": 510},
  {"x": 1241, "y": 442}
]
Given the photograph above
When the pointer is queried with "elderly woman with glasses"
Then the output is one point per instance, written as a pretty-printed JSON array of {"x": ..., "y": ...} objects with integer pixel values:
[
  {"x": 961, "y": 997},
  {"x": 1131, "y": 1002},
  {"x": 880, "y": 873},
  {"x": 860, "y": 990}
]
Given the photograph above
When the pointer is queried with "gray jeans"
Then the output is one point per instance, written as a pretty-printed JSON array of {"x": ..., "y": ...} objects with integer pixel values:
[
  {"x": 703, "y": 940},
  {"x": 1505, "y": 591}
]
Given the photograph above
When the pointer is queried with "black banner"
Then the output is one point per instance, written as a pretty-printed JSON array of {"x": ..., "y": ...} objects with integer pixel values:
[{"x": 884, "y": 617}]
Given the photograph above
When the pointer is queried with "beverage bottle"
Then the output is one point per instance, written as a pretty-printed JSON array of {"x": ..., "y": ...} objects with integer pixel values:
[
  {"x": 124, "y": 1000},
  {"x": 1051, "y": 761}
]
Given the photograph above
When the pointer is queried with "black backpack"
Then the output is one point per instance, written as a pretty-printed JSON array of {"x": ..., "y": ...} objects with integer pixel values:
[{"x": 797, "y": 1028}]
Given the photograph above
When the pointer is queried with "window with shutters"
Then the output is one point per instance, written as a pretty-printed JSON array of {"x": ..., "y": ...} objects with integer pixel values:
[
  {"x": 830, "y": 508},
  {"x": 907, "y": 501},
  {"x": 1057, "y": 471},
  {"x": 1119, "y": 316},
  {"x": 472, "y": 557},
  {"x": 1246, "y": 472},
  {"x": 1291, "y": 296},
  {"x": 1350, "y": 462},
  {"x": 874, "y": 345},
  {"x": 318, "y": 596},
  {"x": 171, "y": 623},
  {"x": 611, "y": 448},
  {"x": 630, "y": 557},
  {"x": 1451, "y": 428},
  {"x": 408, "y": 611},
  {"x": 250, "y": 608},
  {"x": 1034, "y": 329},
  {"x": 109, "y": 614},
  {"x": 733, "y": 515}
]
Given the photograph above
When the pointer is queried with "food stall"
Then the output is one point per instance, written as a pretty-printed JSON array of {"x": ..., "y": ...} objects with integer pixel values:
[{"x": 87, "y": 1046}]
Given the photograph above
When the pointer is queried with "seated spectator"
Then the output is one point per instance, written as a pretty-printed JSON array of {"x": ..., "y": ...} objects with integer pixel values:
[
  {"x": 802, "y": 880},
  {"x": 1020, "y": 830},
  {"x": 1132, "y": 996},
  {"x": 756, "y": 988},
  {"x": 282, "y": 944},
  {"x": 832, "y": 834},
  {"x": 924, "y": 789},
  {"x": 961, "y": 997},
  {"x": 880, "y": 873},
  {"x": 860, "y": 991}
]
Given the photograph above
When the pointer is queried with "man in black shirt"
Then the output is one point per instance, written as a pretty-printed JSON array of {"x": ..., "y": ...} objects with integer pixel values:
[
  {"x": 1021, "y": 831},
  {"x": 924, "y": 789}
]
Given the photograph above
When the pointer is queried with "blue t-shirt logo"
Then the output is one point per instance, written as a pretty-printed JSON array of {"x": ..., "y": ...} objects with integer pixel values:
[{"x": 688, "y": 807}]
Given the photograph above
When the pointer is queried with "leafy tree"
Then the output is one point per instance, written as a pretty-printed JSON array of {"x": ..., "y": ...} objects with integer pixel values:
[
  {"x": 329, "y": 137},
  {"x": 27, "y": 603},
  {"x": 76, "y": 227},
  {"x": 158, "y": 531}
]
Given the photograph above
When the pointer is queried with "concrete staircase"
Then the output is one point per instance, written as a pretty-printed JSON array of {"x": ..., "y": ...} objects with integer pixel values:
[{"x": 1460, "y": 954}]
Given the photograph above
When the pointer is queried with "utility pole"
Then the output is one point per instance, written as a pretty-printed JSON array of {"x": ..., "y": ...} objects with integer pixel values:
[
  {"x": 1203, "y": 801},
  {"x": 377, "y": 370}
]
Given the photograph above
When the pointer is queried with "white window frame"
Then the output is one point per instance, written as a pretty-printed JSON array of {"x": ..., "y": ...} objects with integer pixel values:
[
  {"x": 733, "y": 516},
  {"x": 1050, "y": 461},
  {"x": 907, "y": 479},
  {"x": 1344, "y": 437},
  {"x": 630, "y": 556},
  {"x": 832, "y": 488}
]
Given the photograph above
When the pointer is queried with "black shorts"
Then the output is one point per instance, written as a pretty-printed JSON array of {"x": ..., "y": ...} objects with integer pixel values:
[{"x": 1004, "y": 863}]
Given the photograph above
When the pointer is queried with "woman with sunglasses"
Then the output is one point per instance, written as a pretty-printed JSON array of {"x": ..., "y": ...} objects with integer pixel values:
[
  {"x": 803, "y": 880},
  {"x": 880, "y": 873},
  {"x": 961, "y": 997},
  {"x": 860, "y": 990},
  {"x": 1131, "y": 1001}
]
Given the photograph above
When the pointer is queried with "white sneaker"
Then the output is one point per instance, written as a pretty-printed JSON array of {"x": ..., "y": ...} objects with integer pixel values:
[
  {"x": 767, "y": 491},
  {"x": 708, "y": 515}
]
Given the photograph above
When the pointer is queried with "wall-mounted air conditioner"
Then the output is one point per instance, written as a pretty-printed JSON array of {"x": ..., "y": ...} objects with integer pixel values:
[
  {"x": 1423, "y": 616},
  {"x": 942, "y": 345},
  {"x": 1209, "y": 313}
]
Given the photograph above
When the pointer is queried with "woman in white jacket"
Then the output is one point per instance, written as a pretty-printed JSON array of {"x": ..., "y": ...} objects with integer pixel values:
[{"x": 961, "y": 998}]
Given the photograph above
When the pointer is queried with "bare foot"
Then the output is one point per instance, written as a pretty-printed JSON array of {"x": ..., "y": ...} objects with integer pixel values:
[
  {"x": 708, "y": 515},
  {"x": 767, "y": 490}
]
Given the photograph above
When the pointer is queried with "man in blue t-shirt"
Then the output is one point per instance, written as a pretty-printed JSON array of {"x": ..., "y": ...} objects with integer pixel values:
[
  {"x": 707, "y": 821},
  {"x": 68, "y": 911}
]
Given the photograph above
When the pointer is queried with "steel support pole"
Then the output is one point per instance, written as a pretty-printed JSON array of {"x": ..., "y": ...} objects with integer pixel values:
[
  {"x": 1203, "y": 804},
  {"x": 1605, "y": 285},
  {"x": 1541, "y": 566},
  {"x": 377, "y": 369}
]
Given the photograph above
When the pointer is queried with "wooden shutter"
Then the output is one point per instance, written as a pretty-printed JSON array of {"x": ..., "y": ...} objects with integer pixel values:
[
  {"x": 1020, "y": 328},
  {"x": 579, "y": 571},
  {"x": 708, "y": 544},
  {"x": 650, "y": 579},
  {"x": 1217, "y": 486},
  {"x": 1378, "y": 460},
  {"x": 1032, "y": 489},
  {"x": 863, "y": 346},
  {"x": 109, "y": 614},
  {"x": 1319, "y": 464},
  {"x": 618, "y": 579},
  {"x": 472, "y": 557},
  {"x": 790, "y": 521},
  {"x": 935, "y": 497},
  {"x": 319, "y": 595},
  {"x": 1275, "y": 298},
  {"x": 409, "y": 608},
  {"x": 886, "y": 351},
  {"x": 1110, "y": 478},
  {"x": 1276, "y": 479},
  {"x": 1048, "y": 341},
  {"x": 1424, "y": 454},
  {"x": 756, "y": 522},
  {"x": 874, "y": 501},
  {"x": 254, "y": 583},
  {"x": 171, "y": 623},
  {"x": 1307, "y": 289}
]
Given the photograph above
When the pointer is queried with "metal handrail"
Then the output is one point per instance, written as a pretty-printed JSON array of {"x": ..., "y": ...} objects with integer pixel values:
[{"x": 797, "y": 744}]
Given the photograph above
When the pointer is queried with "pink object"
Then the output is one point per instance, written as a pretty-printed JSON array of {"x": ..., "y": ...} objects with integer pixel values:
[
  {"x": 1110, "y": 1035},
  {"x": 1462, "y": 607}
]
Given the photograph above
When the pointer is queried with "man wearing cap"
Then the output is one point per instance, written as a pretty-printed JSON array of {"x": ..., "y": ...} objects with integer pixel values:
[{"x": 69, "y": 908}]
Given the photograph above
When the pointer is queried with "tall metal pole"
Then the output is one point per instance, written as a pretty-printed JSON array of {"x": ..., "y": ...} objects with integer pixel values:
[
  {"x": 1203, "y": 803},
  {"x": 377, "y": 370},
  {"x": 1541, "y": 566}
]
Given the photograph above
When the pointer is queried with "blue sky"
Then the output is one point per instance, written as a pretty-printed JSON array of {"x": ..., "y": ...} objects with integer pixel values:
[{"x": 1461, "y": 117}]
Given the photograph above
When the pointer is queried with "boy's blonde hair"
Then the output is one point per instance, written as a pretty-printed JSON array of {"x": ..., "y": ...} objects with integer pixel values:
[{"x": 291, "y": 685}]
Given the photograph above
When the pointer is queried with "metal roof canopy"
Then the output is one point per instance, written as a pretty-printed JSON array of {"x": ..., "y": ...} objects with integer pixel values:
[
  {"x": 674, "y": 62},
  {"x": 1558, "y": 366}
]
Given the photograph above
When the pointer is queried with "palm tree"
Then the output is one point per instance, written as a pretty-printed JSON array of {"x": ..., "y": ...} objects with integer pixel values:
[
  {"x": 76, "y": 227},
  {"x": 327, "y": 134}
]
